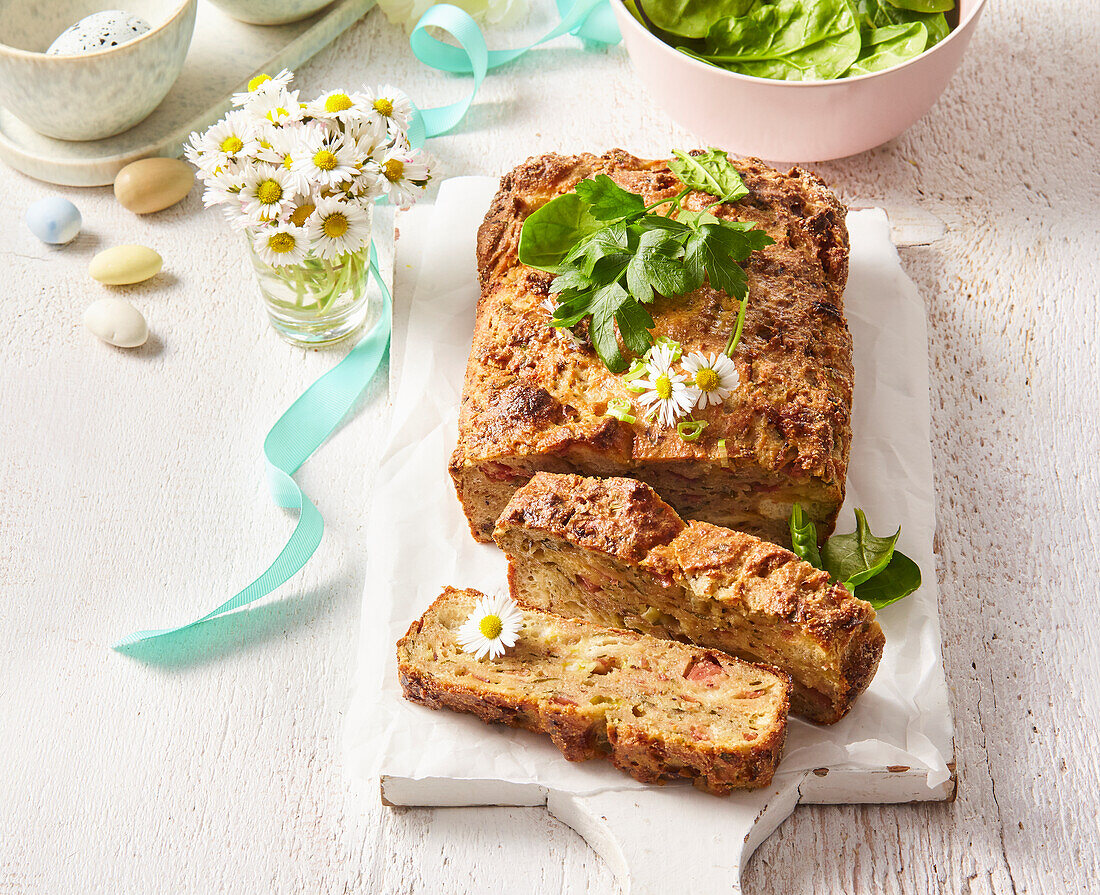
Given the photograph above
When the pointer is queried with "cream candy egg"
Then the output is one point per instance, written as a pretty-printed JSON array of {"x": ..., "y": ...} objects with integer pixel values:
[
  {"x": 117, "y": 323},
  {"x": 99, "y": 31},
  {"x": 153, "y": 184},
  {"x": 123, "y": 265},
  {"x": 54, "y": 220}
]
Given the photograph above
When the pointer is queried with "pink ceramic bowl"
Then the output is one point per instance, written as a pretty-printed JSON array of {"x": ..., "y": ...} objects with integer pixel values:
[{"x": 794, "y": 120}]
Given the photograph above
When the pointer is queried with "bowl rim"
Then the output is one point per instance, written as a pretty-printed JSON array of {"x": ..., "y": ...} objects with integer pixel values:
[
  {"x": 964, "y": 25},
  {"x": 6, "y": 49}
]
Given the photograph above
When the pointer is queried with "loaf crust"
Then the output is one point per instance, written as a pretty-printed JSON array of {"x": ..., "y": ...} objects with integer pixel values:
[
  {"x": 613, "y": 551},
  {"x": 533, "y": 400},
  {"x": 658, "y": 710}
]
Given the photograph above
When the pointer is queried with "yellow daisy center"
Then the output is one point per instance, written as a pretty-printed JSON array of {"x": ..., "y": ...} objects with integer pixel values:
[
  {"x": 325, "y": 159},
  {"x": 490, "y": 627},
  {"x": 281, "y": 243},
  {"x": 276, "y": 113},
  {"x": 255, "y": 83},
  {"x": 383, "y": 106},
  {"x": 269, "y": 192},
  {"x": 232, "y": 144},
  {"x": 393, "y": 169},
  {"x": 288, "y": 162},
  {"x": 335, "y": 225},
  {"x": 663, "y": 387},
  {"x": 301, "y": 213},
  {"x": 706, "y": 380},
  {"x": 338, "y": 102}
]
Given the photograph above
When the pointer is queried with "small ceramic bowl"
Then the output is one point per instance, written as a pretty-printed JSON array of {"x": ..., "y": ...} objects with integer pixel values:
[
  {"x": 794, "y": 120},
  {"x": 93, "y": 95},
  {"x": 270, "y": 12}
]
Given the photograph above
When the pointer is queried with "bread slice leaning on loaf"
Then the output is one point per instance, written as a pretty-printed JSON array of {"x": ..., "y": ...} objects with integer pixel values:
[
  {"x": 612, "y": 551},
  {"x": 659, "y": 710}
]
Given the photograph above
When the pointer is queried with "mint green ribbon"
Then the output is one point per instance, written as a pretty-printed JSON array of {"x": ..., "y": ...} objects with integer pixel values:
[{"x": 309, "y": 421}]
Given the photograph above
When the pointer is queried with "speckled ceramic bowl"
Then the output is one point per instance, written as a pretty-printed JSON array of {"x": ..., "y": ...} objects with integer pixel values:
[
  {"x": 93, "y": 95},
  {"x": 270, "y": 12},
  {"x": 794, "y": 120}
]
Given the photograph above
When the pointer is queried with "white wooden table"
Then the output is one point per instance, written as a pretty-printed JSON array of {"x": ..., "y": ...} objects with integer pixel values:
[{"x": 133, "y": 496}]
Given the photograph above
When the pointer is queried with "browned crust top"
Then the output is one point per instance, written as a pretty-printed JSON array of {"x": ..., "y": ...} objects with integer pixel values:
[
  {"x": 529, "y": 390},
  {"x": 618, "y": 516}
]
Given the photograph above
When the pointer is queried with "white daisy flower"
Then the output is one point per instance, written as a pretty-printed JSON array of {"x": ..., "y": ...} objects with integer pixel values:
[
  {"x": 336, "y": 105},
  {"x": 390, "y": 105},
  {"x": 664, "y": 393},
  {"x": 262, "y": 84},
  {"x": 233, "y": 139},
  {"x": 281, "y": 245},
  {"x": 324, "y": 158},
  {"x": 279, "y": 109},
  {"x": 303, "y": 210},
  {"x": 266, "y": 193},
  {"x": 337, "y": 227},
  {"x": 278, "y": 146},
  {"x": 405, "y": 174},
  {"x": 713, "y": 379},
  {"x": 492, "y": 627},
  {"x": 224, "y": 185}
]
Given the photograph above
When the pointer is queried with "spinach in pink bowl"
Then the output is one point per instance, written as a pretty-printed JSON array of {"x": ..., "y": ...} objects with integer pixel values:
[{"x": 798, "y": 40}]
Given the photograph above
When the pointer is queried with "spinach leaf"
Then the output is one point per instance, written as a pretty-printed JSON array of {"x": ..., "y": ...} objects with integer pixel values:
[
  {"x": 899, "y": 579},
  {"x": 607, "y": 200},
  {"x": 804, "y": 536},
  {"x": 793, "y": 40},
  {"x": 691, "y": 18},
  {"x": 924, "y": 5},
  {"x": 710, "y": 172},
  {"x": 872, "y": 14},
  {"x": 855, "y": 557},
  {"x": 551, "y": 231},
  {"x": 888, "y": 46}
]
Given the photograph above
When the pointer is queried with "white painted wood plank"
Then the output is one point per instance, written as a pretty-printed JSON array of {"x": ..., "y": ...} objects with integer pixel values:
[{"x": 219, "y": 772}]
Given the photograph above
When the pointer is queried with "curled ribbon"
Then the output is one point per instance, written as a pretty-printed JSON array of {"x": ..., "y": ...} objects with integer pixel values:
[{"x": 309, "y": 421}]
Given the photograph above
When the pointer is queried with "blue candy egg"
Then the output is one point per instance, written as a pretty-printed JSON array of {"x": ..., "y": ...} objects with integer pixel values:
[{"x": 54, "y": 220}]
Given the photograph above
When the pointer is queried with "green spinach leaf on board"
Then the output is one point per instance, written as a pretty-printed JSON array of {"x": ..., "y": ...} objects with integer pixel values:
[
  {"x": 899, "y": 579},
  {"x": 870, "y": 567},
  {"x": 804, "y": 536},
  {"x": 888, "y": 46},
  {"x": 855, "y": 557}
]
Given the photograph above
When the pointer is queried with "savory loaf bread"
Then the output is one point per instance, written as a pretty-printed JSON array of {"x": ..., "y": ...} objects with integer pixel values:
[
  {"x": 658, "y": 710},
  {"x": 536, "y": 399},
  {"x": 610, "y": 550}
]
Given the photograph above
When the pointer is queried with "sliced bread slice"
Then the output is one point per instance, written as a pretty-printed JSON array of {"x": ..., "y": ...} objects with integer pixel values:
[
  {"x": 611, "y": 551},
  {"x": 659, "y": 710}
]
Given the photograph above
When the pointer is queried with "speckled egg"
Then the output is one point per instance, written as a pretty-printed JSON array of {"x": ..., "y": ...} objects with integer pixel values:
[
  {"x": 117, "y": 322},
  {"x": 123, "y": 265},
  {"x": 99, "y": 31},
  {"x": 54, "y": 220}
]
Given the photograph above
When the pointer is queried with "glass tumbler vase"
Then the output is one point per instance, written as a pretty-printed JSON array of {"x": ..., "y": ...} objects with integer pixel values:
[{"x": 316, "y": 302}]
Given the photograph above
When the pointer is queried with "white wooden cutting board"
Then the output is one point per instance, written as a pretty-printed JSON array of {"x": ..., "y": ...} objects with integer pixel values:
[{"x": 655, "y": 839}]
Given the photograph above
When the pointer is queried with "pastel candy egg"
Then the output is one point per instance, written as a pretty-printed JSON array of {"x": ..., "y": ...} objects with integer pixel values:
[
  {"x": 153, "y": 184},
  {"x": 99, "y": 31},
  {"x": 122, "y": 265},
  {"x": 117, "y": 322},
  {"x": 53, "y": 220}
]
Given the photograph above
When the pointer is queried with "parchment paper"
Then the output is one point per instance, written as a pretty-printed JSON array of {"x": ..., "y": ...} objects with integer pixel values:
[{"x": 421, "y": 542}]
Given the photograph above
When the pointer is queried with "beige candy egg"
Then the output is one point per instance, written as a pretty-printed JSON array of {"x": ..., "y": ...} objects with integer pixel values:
[
  {"x": 153, "y": 184},
  {"x": 117, "y": 322},
  {"x": 122, "y": 265}
]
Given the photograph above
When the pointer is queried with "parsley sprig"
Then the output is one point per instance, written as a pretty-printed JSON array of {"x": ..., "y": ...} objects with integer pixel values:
[{"x": 612, "y": 254}]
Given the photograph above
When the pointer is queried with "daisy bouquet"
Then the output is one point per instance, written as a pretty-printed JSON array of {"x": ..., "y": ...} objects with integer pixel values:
[{"x": 299, "y": 180}]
